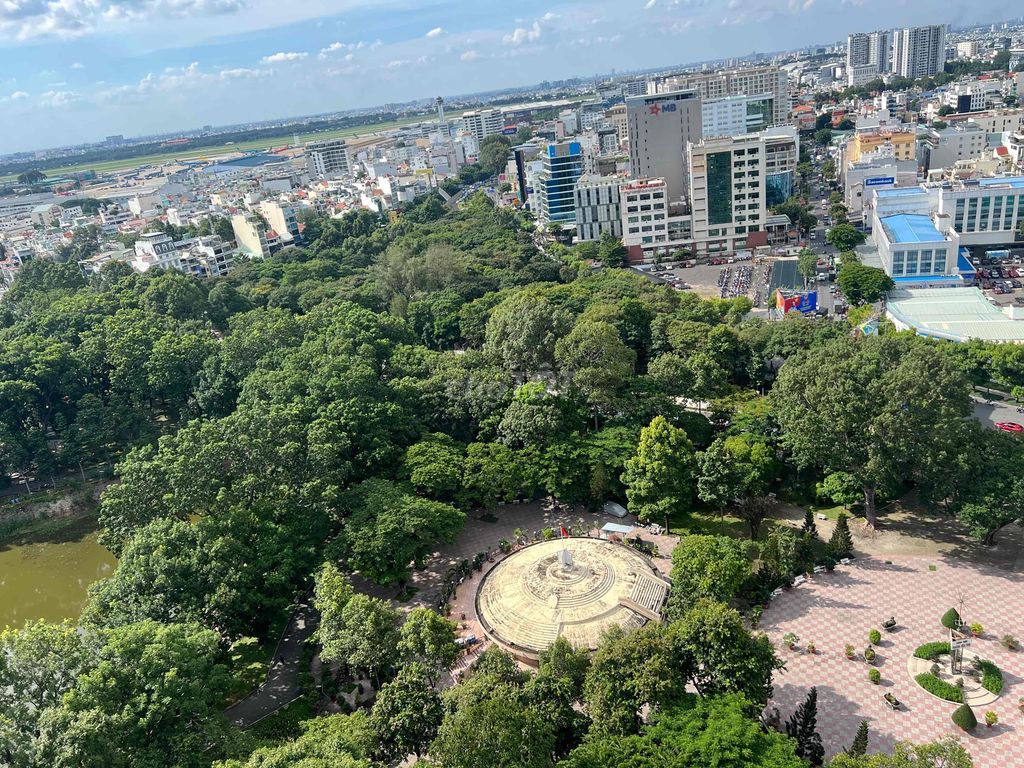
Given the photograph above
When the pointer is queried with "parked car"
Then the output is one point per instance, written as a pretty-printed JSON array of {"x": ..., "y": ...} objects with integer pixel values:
[{"x": 1009, "y": 426}]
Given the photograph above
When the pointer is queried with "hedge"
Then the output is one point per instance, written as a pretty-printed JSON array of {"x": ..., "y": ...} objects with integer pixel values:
[
  {"x": 940, "y": 688},
  {"x": 991, "y": 677},
  {"x": 931, "y": 651},
  {"x": 964, "y": 717},
  {"x": 951, "y": 619}
]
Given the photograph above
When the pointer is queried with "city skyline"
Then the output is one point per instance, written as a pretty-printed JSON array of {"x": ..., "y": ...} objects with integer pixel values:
[{"x": 78, "y": 71}]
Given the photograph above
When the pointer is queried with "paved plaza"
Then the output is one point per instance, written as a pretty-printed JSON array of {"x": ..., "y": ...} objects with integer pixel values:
[{"x": 837, "y": 608}]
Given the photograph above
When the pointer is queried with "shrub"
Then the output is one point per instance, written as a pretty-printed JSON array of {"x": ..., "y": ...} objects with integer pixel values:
[
  {"x": 931, "y": 651},
  {"x": 991, "y": 677},
  {"x": 811, "y": 648},
  {"x": 940, "y": 688},
  {"x": 869, "y": 655},
  {"x": 1009, "y": 642},
  {"x": 874, "y": 637},
  {"x": 951, "y": 619},
  {"x": 789, "y": 639},
  {"x": 849, "y": 651},
  {"x": 991, "y": 718},
  {"x": 874, "y": 675},
  {"x": 548, "y": 534},
  {"x": 977, "y": 629},
  {"x": 964, "y": 718}
]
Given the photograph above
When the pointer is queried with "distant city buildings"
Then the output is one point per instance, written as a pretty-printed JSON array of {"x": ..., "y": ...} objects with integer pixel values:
[
  {"x": 867, "y": 56},
  {"x": 919, "y": 51},
  {"x": 328, "y": 159},
  {"x": 659, "y": 127},
  {"x": 555, "y": 184}
]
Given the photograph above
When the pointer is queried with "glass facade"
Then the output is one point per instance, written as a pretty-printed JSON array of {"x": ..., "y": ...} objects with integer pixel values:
[
  {"x": 563, "y": 167},
  {"x": 719, "y": 173},
  {"x": 778, "y": 187}
]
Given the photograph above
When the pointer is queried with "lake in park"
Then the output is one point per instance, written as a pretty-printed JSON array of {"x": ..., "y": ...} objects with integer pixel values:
[{"x": 48, "y": 579}]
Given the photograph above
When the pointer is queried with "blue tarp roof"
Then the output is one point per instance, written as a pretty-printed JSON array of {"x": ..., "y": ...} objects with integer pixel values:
[
  {"x": 899, "y": 192},
  {"x": 963, "y": 263},
  {"x": 911, "y": 228}
]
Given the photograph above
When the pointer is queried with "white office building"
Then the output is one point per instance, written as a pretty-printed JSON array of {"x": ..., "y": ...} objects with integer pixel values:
[
  {"x": 735, "y": 115},
  {"x": 745, "y": 81},
  {"x": 483, "y": 123},
  {"x": 597, "y": 207},
  {"x": 328, "y": 159}
]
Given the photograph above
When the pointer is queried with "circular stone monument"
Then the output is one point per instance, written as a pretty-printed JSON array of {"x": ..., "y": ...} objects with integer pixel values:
[{"x": 575, "y": 588}]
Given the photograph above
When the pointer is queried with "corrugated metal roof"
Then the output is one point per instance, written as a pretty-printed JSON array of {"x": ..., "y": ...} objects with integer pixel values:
[
  {"x": 911, "y": 228},
  {"x": 953, "y": 313}
]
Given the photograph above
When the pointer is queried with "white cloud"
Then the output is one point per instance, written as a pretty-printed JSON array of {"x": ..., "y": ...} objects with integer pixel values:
[
  {"x": 57, "y": 98},
  {"x": 279, "y": 58},
  {"x": 549, "y": 16},
  {"x": 650, "y": 4},
  {"x": 18, "y": 96},
  {"x": 522, "y": 35},
  {"x": 238, "y": 72},
  {"x": 470, "y": 56},
  {"x": 78, "y": 65},
  {"x": 64, "y": 19},
  {"x": 435, "y": 32}
]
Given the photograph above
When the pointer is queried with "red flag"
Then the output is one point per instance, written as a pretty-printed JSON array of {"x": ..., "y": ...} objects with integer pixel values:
[{"x": 565, "y": 533}]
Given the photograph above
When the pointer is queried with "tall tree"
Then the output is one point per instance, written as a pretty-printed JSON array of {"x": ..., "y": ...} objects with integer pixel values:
[
  {"x": 879, "y": 408},
  {"x": 428, "y": 639},
  {"x": 659, "y": 479},
  {"x": 803, "y": 727},
  {"x": 860, "y": 741},
  {"x": 406, "y": 714},
  {"x": 711, "y": 567}
]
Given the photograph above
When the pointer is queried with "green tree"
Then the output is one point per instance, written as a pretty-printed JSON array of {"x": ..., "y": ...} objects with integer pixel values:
[
  {"x": 328, "y": 741},
  {"x": 428, "y": 639},
  {"x": 720, "y": 655},
  {"x": 802, "y": 726},
  {"x": 494, "y": 153},
  {"x": 434, "y": 466},
  {"x": 881, "y": 409},
  {"x": 807, "y": 264},
  {"x": 367, "y": 638},
  {"x": 840, "y": 544},
  {"x": 862, "y": 284},
  {"x": 594, "y": 361},
  {"x": 406, "y": 714},
  {"x": 659, "y": 479},
  {"x": 388, "y": 530},
  {"x": 522, "y": 331},
  {"x": 629, "y": 670},
  {"x": 860, "y": 741},
  {"x": 39, "y": 664},
  {"x": 611, "y": 251},
  {"x": 712, "y": 567},
  {"x": 845, "y": 237},
  {"x": 154, "y": 697},
  {"x": 948, "y": 753},
  {"x": 823, "y": 136},
  {"x": 331, "y": 592},
  {"x": 501, "y": 731}
]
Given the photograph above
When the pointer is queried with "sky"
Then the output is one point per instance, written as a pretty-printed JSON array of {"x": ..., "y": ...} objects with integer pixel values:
[{"x": 73, "y": 71}]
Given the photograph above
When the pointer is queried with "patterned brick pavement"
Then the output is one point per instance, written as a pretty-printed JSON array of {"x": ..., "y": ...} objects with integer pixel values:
[{"x": 833, "y": 609}]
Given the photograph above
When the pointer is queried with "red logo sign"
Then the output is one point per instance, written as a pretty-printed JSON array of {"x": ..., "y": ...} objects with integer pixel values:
[{"x": 655, "y": 109}]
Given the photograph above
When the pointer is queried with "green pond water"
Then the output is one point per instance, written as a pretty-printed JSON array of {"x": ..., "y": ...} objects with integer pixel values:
[{"x": 48, "y": 579}]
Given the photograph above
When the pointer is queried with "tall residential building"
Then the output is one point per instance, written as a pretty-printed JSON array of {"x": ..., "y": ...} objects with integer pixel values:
[
  {"x": 867, "y": 56},
  {"x": 554, "y": 191},
  {"x": 919, "y": 51},
  {"x": 736, "y": 179},
  {"x": 597, "y": 207},
  {"x": 483, "y": 122},
  {"x": 660, "y": 126},
  {"x": 747, "y": 81},
  {"x": 251, "y": 235},
  {"x": 327, "y": 159},
  {"x": 283, "y": 219}
]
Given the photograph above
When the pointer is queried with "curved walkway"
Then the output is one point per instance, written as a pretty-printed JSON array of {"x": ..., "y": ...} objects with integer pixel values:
[
  {"x": 833, "y": 609},
  {"x": 282, "y": 684}
]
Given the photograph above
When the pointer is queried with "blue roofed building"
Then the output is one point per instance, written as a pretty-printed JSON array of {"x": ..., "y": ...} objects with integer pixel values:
[{"x": 915, "y": 246}]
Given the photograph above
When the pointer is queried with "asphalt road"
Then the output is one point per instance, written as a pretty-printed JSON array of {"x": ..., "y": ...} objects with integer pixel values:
[{"x": 991, "y": 413}]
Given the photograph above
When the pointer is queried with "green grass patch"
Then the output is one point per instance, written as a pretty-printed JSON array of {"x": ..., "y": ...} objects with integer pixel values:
[
  {"x": 991, "y": 677},
  {"x": 931, "y": 651},
  {"x": 407, "y": 594},
  {"x": 940, "y": 688},
  {"x": 283, "y": 725},
  {"x": 932, "y": 568},
  {"x": 250, "y": 662}
]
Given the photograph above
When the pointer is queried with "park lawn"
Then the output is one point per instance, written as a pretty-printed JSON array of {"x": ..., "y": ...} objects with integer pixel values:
[
  {"x": 283, "y": 725},
  {"x": 250, "y": 662}
]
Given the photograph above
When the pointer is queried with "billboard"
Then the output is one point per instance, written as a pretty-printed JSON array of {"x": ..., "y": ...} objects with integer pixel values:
[
  {"x": 879, "y": 181},
  {"x": 796, "y": 302},
  {"x": 509, "y": 130}
]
